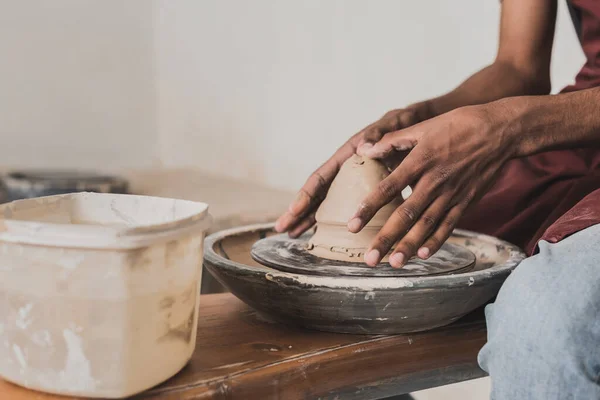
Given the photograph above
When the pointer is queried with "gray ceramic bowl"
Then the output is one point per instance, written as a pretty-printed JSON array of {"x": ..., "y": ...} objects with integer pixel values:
[{"x": 363, "y": 305}]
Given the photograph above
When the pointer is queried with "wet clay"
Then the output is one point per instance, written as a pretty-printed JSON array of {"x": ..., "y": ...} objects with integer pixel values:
[
  {"x": 355, "y": 180},
  {"x": 283, "y": 253}
]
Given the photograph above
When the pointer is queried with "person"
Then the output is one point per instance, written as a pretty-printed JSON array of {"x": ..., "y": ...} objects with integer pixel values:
[{"x": 499, "y": 155}]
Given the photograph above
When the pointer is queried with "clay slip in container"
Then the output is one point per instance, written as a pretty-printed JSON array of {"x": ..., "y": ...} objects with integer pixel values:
[{"x": 99, "y": 292}]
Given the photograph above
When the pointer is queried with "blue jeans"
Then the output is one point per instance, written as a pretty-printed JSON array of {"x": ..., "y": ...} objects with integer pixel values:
[{"x": 544, "y": 328}]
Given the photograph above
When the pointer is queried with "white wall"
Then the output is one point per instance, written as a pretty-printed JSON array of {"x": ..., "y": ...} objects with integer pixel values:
[
  {"x": 263, "y": 90},
  {"x": 77, "y": 83},
  {"x": 266, "y": 90}
]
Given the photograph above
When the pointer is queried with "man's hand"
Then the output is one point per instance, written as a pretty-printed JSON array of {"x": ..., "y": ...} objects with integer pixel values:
[
  {"x": 301, "y": 214},
  {"x": 454, "y": 159},
  {"x": 445, "y": 182}
]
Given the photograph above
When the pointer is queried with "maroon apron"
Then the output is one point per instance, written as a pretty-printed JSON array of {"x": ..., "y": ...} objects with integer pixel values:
[{"x": 551, "y": 195}]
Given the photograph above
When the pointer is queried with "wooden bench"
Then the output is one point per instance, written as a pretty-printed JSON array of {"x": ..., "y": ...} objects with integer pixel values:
[{"x": 241, "y": 356}]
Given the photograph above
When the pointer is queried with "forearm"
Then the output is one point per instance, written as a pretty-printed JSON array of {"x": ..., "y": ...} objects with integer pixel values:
[
  {"x": 536, "y": 124},
  {"x": 497, "y": 81}
]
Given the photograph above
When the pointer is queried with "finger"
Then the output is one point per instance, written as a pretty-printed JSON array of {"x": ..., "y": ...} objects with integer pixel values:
[
  {"x": 295, "y": 213},
  {"x": 392, "y": 121},
  {"x": 400, "y": 222},
  {"x": 394, "y": 159},
  {"x": 314, "y": 190},
  {"x": 304, "y": 225},
  {"x": 363, "y": 148},
  {"x": 402, "y": 140},
  {"x": 407, "y": 118},
  {"x": 387, "y": 190},
  {"x": 375, "y": 131},
  {"x": 284, "y": 222},
  {"x": 444, "y": 229},
  {"x": 369, "y": 137},
  {"x": 410, "y": 243},
  {"x": 467, "y": 197}
]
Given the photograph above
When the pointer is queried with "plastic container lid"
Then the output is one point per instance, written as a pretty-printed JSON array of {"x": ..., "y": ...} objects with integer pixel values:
[{"x": 101, "y": 221}]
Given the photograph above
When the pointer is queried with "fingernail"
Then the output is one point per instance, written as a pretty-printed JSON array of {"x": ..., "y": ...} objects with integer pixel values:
[
  {"x": 372, "y": 257},
  {"x": 278, "y": 226},
  {"x": 299, "y": 204},
  {"x": 423, "y": 252},
  {"x": 371, "y": 152},
  {"x": 364, "y": 148},
  {"x": 397, "y": 260},
  {"x": 283, "y": 222},
  {"x": 354, "y": 225}
]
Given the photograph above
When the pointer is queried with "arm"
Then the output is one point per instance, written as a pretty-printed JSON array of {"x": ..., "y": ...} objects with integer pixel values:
[
  {"x": 457, "y": 156},
  {"x": 543, "y": 123},
  {"x": 521, "y": 68},
  {"x": 522, "y": 65}
]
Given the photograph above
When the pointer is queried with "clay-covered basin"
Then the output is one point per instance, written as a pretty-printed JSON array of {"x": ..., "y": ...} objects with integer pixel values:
[
  {"x": 362, "y": 305},
  {"x": 99, "y": 293}
]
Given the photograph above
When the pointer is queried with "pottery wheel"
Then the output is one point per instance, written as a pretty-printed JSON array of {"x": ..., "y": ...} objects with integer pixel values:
[
  {"x": 356, "y": 304},
  {"x": 290, "y": 255}
]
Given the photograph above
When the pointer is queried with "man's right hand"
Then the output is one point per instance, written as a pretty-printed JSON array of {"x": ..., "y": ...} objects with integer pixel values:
[{"x": 300, "y": 215}]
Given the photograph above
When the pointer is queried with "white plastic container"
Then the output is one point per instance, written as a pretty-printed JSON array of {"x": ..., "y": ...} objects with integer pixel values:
[{"x": 99, "y": 292}]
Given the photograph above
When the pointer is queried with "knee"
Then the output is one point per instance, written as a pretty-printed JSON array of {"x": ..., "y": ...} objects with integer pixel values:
[
  {"x": 514, "y": 321},
  {"x": 546, "y": 313}
]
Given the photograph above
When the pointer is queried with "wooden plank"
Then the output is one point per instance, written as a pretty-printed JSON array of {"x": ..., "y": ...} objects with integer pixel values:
[
  {"x": 232, "y": 202},
  {"x": 240, "y": 355}
]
